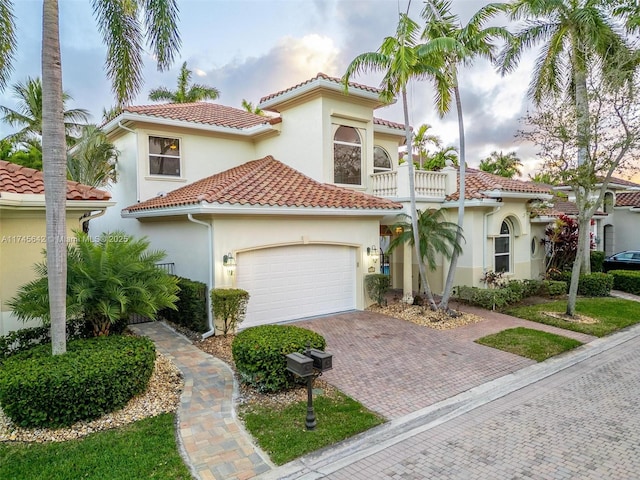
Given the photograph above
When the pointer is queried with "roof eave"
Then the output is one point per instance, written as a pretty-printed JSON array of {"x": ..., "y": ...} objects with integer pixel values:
[
  {"x": 222, "y": 209},
  {"x": 516, "y": 195},
  {"x": 320, "y": 83},
  {"x": 388, "y": 130},
  {"x": 136, "y": 117}
]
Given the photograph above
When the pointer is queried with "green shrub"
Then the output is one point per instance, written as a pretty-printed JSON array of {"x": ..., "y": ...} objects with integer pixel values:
[
  {"x": 516, "y": 290},
  {"x": 377, "y": 286},
  {"x": 626, "y": 280},
  {"x": 259, "y": 354},
  {"x": 595, "y": 285},
  {"x": 597, "y": 260},
  {"x": 94, "y": 377},
  {"x": 553, "y": 288},
  {"x": 229, "y": 306},
  {"x": 489, "y": 298},
  {"x": 107, "y": 281},
  {"x": 531, "y": 288},
  {"x": 26, "y": 338},
  {"x": 191, "y": 306}
]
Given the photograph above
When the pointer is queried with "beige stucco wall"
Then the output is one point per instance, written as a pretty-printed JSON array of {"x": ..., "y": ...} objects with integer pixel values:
[{"x": 22, "y": 240}]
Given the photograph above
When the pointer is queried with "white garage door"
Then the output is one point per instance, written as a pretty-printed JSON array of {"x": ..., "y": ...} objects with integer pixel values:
[{"x": 287, "y": 283}]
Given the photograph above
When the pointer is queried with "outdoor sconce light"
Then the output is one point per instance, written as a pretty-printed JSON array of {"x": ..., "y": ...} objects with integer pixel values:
[
  {"x": 229, "y": 263},
  {"x": 309, "y": 366}
]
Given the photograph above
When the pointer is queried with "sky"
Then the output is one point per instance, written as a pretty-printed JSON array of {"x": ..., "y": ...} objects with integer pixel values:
[{"x": 248, "y": 49}]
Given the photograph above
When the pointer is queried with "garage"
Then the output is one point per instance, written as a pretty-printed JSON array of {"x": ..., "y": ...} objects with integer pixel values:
[{"x": 298, "y": 281}]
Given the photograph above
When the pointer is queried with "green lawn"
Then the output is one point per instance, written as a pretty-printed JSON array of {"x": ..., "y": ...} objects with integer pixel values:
[
  {"x": 144, "y": 449},
  {"x": 612, "y": 314},
  {"x": 281, "y": 432},
  {"x": 529, "y": 343}
]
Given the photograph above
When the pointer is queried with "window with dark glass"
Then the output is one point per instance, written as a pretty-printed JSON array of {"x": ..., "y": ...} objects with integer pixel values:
[
  {"x": 381, "y": 160},
  {"x": 347, "y": 156},
  {"x": 502, "y": 243},
  {"x": 164, "y": 156}
]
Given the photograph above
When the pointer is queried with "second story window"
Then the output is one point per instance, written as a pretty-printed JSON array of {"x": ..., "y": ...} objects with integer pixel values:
[
  {"x": 381, "y": 160},
  {"x": 347, "y": 156},
  {"x": 164, "y": 156}
]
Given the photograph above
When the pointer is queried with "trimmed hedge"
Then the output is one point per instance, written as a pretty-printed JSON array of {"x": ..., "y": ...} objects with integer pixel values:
[
  {"x": 376, "y": 285},
  {"x": 513, "y": 292},
  {"x": 595, "y": 285},
  {"x": 259, "y": 354},
  {"x": 229, "y": 306},
  {"x": 626, "y": 280},
  {"x": 96, "y": 376},
  {"x": 596, "y": 259},
  {"x": 191, "y": 306},
  {"x": 26, "y": 338}
]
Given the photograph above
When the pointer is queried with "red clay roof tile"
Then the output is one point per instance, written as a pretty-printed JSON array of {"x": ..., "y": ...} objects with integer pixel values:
[
  {"x": 204, "y": 113},
  {"x": 265, "y": 182},
  {"x": 18, "y": 179},
  {"x": 631, "y": 199},
  {"x": 477, "y": 182}
]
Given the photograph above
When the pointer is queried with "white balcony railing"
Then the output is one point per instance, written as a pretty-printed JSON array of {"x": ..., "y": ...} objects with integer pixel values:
[{"x": 431, "y": 185}]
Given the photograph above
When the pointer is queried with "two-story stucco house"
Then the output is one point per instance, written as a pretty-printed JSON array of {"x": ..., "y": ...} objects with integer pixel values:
[{"x": 290, "y": 206}]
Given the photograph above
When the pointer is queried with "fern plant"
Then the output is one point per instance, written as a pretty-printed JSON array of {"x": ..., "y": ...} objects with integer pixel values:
[{"x": 107, "y": 281}]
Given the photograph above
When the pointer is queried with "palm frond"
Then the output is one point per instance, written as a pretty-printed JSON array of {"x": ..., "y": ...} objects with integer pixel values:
[
  {"x": 7, "y": 41},
  {"x": 161, "y": 22}
]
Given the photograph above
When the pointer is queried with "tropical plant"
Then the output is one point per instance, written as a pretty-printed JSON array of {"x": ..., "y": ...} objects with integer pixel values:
[
  {"x": 124, "y": 26},
  {"x": 185, "y": 92},
  {"x": 421, "y": 140},
  {"x": 107, "y": 281},
  {"x": 579, "y": 38},
  {"x": 31, "y": 158},
  {"x": 440, "y": 158},
  {"x": 398, "y": 58},
  {"x": 436, "y": 236},
  {"x": 92, "y": 160},
  {"x": 251, "y": 108},
  {"x": 110, "y": 113},
  {"x": 28, "y": 116},
  {"x": 471, "y": 40},
  {"x": 506, "y": 165}
]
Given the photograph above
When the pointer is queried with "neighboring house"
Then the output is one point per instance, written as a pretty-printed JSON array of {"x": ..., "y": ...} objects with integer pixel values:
[
  {"x": 23, "y": 229},
  {"x": 298, "y": 199},
  {"x": 616, "y": 225}
]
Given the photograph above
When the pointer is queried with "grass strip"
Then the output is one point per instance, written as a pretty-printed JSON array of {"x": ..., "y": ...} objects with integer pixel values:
[{"x": 529, "y": 343}]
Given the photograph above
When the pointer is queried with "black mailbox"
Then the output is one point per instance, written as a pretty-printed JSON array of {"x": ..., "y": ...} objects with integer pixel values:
[
  {"x": 321, "y": 360},
  {"x": 299, "y": 364}
]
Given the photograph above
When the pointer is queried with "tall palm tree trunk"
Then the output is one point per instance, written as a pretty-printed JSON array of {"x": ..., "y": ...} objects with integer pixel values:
[
  {"x": 55, "y": 169},
  {"x": 414, "y": 211},
  {"x": 448, "y": 286}
]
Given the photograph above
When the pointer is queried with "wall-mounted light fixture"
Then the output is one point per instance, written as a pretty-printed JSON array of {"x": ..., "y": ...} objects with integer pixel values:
[
  {"x": 229, "y": 263},
  {"x": 372, "y": 252}
]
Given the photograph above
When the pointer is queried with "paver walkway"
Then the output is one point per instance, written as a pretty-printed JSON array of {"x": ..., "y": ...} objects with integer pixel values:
[{"x": 213, "y": 442}]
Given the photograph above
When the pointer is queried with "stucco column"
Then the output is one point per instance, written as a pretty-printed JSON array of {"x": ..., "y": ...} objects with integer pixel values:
[{"x": 407, "y": 270}]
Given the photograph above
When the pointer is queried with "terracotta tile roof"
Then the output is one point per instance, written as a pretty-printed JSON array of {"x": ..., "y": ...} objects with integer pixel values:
[
  {"x": 477, "y": 182},
  {"x": 265, "y": 182},
  {"x": 631, "y": 199},
  {"x": 204, "y": 113},
  {"x": 18, "y": 179},
  {"x": 620, "y": 181},
  {"x": 388, "y": 123},
  {"x": 323, "y": 77}
]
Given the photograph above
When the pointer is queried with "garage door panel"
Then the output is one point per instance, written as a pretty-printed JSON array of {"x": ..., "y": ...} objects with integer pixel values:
[{"x": 287, "y": 283}]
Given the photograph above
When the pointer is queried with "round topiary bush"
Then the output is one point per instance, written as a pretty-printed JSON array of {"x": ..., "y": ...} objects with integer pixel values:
[
  {"x": 259, "y": 354},
  {"x": 94, "y": 377}
]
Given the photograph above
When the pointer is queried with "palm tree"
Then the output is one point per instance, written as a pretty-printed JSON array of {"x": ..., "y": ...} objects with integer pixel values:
[
  {"x": 398, "y": 58},
  {"x": 92, "y": 160},
  {"x": 124, "y": 26},
  {"x": 436, "y": 236},
  {"x": 441, "y": 157},
  {"x": 249, "y": 107},
  {"x": 185, "y": 93},
  {"x": 577, "y": 37},
  {"x": 506, "y": 165},
  {"x": 28, "y": 116},
  {"x": 471, "y": 40},
  {"x": 421, "y": 139}
]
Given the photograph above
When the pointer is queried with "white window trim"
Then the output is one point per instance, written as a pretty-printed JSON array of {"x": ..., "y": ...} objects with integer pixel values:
[
  {"x": 381, "y": 169},
  {"x": 157, "y": 176},
  {"x": 361, "y": 133},
  {"x": 509, "y": 253}
]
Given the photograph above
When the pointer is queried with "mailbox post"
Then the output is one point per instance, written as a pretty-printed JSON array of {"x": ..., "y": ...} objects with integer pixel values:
[{"x": 309, "y": 366}]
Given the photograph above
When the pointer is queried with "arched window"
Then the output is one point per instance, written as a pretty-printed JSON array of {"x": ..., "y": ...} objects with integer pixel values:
[
  {"x": 347, "y": 156},
  {"x": 502, "y": 249},
  {"x": 381, "y": 160}
]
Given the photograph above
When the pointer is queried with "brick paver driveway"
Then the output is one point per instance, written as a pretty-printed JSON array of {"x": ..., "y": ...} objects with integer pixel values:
[{"x": 395, "y": 367}]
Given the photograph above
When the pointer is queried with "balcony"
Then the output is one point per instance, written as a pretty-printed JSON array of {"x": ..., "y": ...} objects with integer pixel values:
[{"x": 429, "y": 186}]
